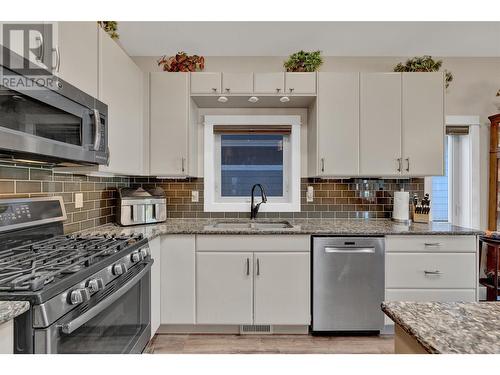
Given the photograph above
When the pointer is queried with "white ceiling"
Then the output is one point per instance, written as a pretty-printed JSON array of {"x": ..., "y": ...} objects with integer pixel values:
[{"x": 332, "y": 38}]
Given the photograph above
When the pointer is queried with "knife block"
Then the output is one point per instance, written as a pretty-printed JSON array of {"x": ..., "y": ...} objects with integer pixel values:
[{"x": 419, "y": 218}]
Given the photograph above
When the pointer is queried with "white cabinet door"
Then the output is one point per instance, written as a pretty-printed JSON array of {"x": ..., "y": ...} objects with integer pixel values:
[
  {"x": 205, "y": 83},
  {"x": 380, "y": 124},
  {"x": 224, "y": 288},
  {"x": 268, "y": 83},
  {"x": 178, "y": 279},
  {"x": 423, "y": 124},
  {"x": 169, "y": 119},
  {"x": 300, "y": 83},
  {"x": 237, "y": 83},
  {"x": 155, "y": 249},
  {"x": 7, "y": 337},
  {"x": 121, "y": 88},
  {"x": 338, "y": 124},
  {"x": 77, "y": 57},
  {"x": 282, "y": 288}
]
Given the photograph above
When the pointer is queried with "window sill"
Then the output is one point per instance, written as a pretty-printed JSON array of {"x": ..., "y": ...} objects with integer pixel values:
[{"x": 244, "y": 207}]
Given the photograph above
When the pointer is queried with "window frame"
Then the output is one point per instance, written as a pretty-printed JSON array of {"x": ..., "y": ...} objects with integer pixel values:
[{"x": 291, "y": 167}]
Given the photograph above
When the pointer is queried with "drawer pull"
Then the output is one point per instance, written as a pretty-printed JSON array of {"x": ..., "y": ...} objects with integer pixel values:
[
  {"x": 433, "y": 272},
  {"x": 432, "y": 244}
]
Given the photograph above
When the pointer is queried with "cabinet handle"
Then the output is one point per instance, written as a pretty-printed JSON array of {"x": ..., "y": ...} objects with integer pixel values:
[
  {"x": 182, "y": 164},
  {"x": 433, "y": 272},
  {"x": 228, "y": 90},
  {"x": 214, "y": 90},
  {"x": 42, "y": 52},
  {"x": 432, "y": 244},
  {"x": 291, "y": 90},
  {"x": 58, "y": 60},
  {"x": 322, "y": 164},
  {"x": 278, "y": 91},
  {"x": 258, "y": 267},
  {"x": 407, "y": 164},
  {"x": 399, "y": 164},
  {"x": 248, "y": 266}
]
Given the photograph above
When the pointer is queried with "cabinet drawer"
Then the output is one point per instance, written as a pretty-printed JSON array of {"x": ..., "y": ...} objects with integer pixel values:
[
  {"x": 237, "y": 83},
  {"x": 268, "y": 83},
  {"x": 431, "y": 295},
  {"x": 430, "y": 270},
  {"x": 300, "y": 83},
  {"x": 205, "y": 83},
  {"x": 253, "y": 243},
  {"x": 456, "y": 244}
]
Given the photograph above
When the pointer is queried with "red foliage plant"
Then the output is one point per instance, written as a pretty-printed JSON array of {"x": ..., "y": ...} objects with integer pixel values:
[{"x": 182, "y": 62}]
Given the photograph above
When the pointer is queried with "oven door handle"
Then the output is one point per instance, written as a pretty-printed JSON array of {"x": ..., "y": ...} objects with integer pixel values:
[{"x": 73, "y": 325}]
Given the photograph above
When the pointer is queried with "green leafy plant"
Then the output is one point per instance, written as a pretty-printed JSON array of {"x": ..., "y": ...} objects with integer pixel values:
[
  {"x": 182, "y": 62},
  {"x": 424, "y": 64},
  {"x": 303, "y": 61},
  {"x": 111, "y": 27}
]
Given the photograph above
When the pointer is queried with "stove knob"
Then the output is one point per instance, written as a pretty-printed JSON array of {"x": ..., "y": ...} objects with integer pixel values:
[
  {"x": 136, "y": 257},
  {"x": 95, "y": 285},
  {"x": 78, "y": 296},
  {"x": 119, "y": 269},
  {"x": 144, "y": 252}
]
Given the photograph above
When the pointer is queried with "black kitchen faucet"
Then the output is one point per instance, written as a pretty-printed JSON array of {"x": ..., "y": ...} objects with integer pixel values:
[{"x": 254, "y": 208}]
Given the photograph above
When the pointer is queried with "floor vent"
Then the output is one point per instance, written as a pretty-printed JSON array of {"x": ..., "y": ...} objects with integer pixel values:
[{"x": 258, "y": 329}]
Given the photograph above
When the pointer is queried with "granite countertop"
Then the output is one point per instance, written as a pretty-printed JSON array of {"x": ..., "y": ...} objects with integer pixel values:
[
  {"x": 301, "y": 226},
  {"x": 450, "y": 327},
  {"x": 10, "y": 309}
]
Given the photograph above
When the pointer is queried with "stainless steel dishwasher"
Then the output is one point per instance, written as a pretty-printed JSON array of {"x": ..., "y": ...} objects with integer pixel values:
[{"x": 348, "y": 284}]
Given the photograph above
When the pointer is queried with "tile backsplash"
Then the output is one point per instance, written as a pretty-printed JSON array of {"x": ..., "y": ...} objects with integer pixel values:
[
  {"x": 333, "y": 198},
  {"x": 99, "y": 193}
]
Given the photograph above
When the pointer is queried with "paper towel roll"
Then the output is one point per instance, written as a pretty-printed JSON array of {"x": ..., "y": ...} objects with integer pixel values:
[{"x": 400, "y": 211}]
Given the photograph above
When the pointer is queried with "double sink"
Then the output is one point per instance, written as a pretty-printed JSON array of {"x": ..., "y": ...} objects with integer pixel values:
[{"x": 250, "y": 225}]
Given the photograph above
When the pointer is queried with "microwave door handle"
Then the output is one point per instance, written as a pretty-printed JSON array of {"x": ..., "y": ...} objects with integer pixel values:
[
  {"x": 76, "y": 323},
  {"x": 97, "y": 129}
]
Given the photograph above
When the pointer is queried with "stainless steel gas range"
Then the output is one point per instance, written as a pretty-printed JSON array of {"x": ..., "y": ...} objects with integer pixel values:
[{"x": 88, "y": 293}]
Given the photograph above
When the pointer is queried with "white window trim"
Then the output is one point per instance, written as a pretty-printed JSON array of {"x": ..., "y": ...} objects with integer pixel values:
[
  {"x": 210, "y": 201},
  {"x": 473, "y": 188}
]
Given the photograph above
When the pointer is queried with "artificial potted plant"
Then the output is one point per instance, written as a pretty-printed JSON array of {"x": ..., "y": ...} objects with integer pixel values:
[
  {"x": 182, "y": 62},
  {"x": 424, "y": 64},
  {"x": 303, "y": 61},
  {"x": 111, "y": 27}
]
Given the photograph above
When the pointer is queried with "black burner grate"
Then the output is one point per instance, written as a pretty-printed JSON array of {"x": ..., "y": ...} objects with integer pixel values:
[{"x": 31, "y": 267}]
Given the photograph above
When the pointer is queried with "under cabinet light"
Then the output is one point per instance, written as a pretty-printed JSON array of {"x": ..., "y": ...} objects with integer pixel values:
[
  {"x": 284, "y": 99},
  {"x": 253, "y": 99},
  {"x": 222, "y": 99}
]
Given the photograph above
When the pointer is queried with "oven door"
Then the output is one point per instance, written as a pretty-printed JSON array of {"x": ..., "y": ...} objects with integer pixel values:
[
  {"x": 117, "y": 323},
  {"x": 55, "y": 124}
]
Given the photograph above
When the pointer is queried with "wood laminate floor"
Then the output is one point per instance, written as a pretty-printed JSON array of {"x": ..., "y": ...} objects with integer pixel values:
[{"x": 275, "y": 344}]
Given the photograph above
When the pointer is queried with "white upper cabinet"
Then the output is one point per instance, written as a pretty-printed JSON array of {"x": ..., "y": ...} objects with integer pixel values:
[
  {"x": 237, "y": 83},
  {"x": 423, "y": 124},
  {"x": 206, "y": 83},
  {"x": 77, "y": 55},
  {"x": 380, "y": 124},
  {"x": 269, "y": 83},
  {"x": 121, "y": 88},
  {"x": 169, "y": 119},
  {"x": 300, "y": 83},
  {"x": 337, "y": 125}
]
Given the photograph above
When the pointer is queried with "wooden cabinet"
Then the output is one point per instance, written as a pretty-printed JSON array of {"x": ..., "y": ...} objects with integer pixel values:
[
  {"x": 169, "y": 124},
  {"x": 77, "y": 55},
  {"x": 380, "y": 124},
  {"x": 237, "y": 83},
  {"x": 269, "y": 83},
  {"x": 423, "y": 124},
  {"x": 155, "y": 249},
  {"x": 178, "y": 279},
  {"x": 300, "y": 83},
  {"x": 206, "y": 83},
  {"x": 121, "y": 88},
  {"x": 336, "y": 126},
  {"x": 282, "y": 288},
  {"x": 224, "y": 288}
]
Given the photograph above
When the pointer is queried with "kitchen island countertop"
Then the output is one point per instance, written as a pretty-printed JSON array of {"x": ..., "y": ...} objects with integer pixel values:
[
  {"x": 449, "y": 327},
  {"x": 301, "y": 226},
  {"x": 10, "y": 309}
]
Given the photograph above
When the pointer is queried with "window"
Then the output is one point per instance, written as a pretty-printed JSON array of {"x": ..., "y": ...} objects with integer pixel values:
[
  {"x": 440, "y": 195},
  {"x": 241, "y": 151}
]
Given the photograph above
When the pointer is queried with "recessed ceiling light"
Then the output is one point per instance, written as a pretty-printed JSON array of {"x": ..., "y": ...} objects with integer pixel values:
[
  {"x": 284, "y": 99},
  {"x": 253, "y": 99},
  {"x": 222, "y": 99}
]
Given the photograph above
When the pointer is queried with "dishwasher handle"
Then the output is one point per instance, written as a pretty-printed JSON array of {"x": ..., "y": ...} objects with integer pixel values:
[{"x": 350, "y": 250}]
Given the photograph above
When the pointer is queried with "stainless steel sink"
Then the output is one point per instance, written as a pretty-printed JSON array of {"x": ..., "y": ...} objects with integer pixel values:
[{"x": 257, "y": 225}]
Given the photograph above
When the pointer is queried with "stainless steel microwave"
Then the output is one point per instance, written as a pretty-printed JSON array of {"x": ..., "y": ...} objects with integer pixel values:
[{"x": 45, "y": 119}]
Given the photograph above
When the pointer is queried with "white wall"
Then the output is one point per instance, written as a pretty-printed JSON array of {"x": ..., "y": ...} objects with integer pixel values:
[{"x": 472, "y": 92}]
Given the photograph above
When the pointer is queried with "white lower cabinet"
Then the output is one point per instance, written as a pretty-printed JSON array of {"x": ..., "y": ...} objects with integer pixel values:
[
  {"x": 155, "y": 248},
  {"x": 282, "y": 288},
  {"x": 224, "y": 283},
  {"x": 7, "y": 337}
]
